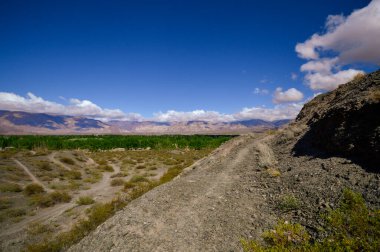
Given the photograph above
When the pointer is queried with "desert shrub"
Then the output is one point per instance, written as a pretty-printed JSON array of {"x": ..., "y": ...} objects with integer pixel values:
[
  {"x": 117, "y": 182},
  {"x": 73, "y": 175},
  {"x": 350, "y": 227},
  {"x": 266, "y": 155},
  {"x": 5, "y": 203},
  {"x": 375, "y": 95},
  {"x": 15, "y": 212},
  {"x": 170, "y": 174},
  {"x": 273, "y": 172},
  {"x": 10, "y": 187},
  {"x": 33, "y": 188},
  {"x": 119, "y": 175},
  {"x": 67, "y": 160},
  {"x": 106, "y": 168},
  {"x": 359, "y": 77},
  {"x": 37, "y": 228},
  {"x": 45, "y": 166},
  {"x": 50, "y": 199},
  {"x": 85, "y": 200},
  {"x": 137, "y": 178},
  {"x": 129, "y": 185},
  {"x": 288, "y": 203}
]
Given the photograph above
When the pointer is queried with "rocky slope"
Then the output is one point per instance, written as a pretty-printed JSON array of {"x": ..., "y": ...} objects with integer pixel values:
[{"x": 346, "y": 121}]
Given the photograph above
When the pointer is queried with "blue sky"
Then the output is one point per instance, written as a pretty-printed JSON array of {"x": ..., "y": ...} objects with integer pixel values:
[{"x": 150, "y": 56}]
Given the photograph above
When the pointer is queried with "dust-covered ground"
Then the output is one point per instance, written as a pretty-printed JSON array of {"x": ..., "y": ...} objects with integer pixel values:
[{"x": 240, "y": 190}]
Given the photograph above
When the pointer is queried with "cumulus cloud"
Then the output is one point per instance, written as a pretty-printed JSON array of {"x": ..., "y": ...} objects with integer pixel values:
[
  {"x": 261, "y": 91},
  {"x": 196, "y": 115},
  {"x": 352, "y": 39},
  {"x": 290, "y": 95},
  {"x": 279, "y": 112},
  {"x": 76, "y": 107}
]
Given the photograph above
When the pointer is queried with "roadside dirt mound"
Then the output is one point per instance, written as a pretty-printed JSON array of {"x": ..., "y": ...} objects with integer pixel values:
[{"x": 345, "y": 122}]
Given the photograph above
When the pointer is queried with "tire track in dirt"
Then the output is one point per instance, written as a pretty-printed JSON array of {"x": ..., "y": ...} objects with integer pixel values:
[
  {"x": 31, "y": 175},
  {"x": 101, "y": 191},
  {"x": 209, "y": 207}
]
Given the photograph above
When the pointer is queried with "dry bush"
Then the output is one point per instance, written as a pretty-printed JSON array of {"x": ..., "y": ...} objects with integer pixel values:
[
  {"x": 85, "y": 200},
  {"x": 266, "y": 155},
  {"x": 10, "y": 187},
  {"x": 117, "y": 182},
  {"x": 33, "y": 189}
]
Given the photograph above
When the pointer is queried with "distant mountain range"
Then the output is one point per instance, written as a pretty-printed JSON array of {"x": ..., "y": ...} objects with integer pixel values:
[{"x": 17, "y": 122}]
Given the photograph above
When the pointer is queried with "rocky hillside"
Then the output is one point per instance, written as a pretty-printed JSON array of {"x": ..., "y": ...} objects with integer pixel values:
[{"x": 346, "y": 121}]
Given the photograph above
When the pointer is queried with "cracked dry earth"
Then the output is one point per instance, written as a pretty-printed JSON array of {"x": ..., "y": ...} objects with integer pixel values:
[{"x": 210, "y": 207}]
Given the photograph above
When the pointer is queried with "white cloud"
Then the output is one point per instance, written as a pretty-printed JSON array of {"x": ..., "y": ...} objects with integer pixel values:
[
  {"x": 196, "y": 115},
  {"x": 353, "y": 39},
  {"x": 294, "y": 76},
  {"x": 279, "y": 112},
  {"x": 290, "y": 95},
  {"x": 261, "y": 91},
  {"x": 76, "y": 107},
  {"x": 34, "y": 104},
  {"x": 320, "y": 81}
]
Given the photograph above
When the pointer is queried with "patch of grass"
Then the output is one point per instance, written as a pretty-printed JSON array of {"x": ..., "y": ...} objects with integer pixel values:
[
  {"x": 289, "y": 203},
  {"x": 137, "y": 179},
  {"x": 67, "y": 160},
  {"x": 45, "y": 166},
  {"x": 37, "y": 228},
  {"x": 50, "y": 199},
  {"x": 73, "y": 174},
  {"x": 117, "y": 182},
  {"x": 119, "y": 175},
  {"x": 5, "y": 203},
  {"x": 10, "y": 187},
  {"x": 33, "y": 189},
  {"x": 85, "y": 200},
  {"x": 170, "y": 174},
  {"x": 273, "y": 172},
  {"x": 106, "y": 168},
  {"x": 350, "y": 227},
  {"x": 129, "y": 185}
]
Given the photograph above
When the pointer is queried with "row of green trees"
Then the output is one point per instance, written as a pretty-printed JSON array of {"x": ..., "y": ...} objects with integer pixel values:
[{"x": 106, "y": 142}]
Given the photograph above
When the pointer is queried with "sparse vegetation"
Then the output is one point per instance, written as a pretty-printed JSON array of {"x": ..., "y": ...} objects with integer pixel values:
[
  {"x": 117, "y": 182},
  {"x": 350, "y": 227},
  {"x": 288, "y": 203},
  {"x": 33, "y": 189},
  {"x": 10, "y": 187},
  {"x": 273, "y": 172},
  {"x": 50, "y": 199},
  {"x": 85, "y": 200}
]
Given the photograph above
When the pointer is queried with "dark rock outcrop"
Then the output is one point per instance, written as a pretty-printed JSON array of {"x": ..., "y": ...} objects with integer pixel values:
[{"x": 346, "y": 122}]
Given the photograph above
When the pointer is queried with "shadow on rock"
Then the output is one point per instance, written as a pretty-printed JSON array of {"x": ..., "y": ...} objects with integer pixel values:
[{"x": 354, "y": 135}]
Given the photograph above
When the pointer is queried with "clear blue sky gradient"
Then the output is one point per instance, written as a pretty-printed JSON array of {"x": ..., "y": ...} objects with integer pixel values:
[{"x": 150, "y": 56}]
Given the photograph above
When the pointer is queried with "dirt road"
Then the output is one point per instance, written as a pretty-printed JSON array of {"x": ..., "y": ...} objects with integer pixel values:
[
  {"x": 210, "y": 207},
  {"x": 58, "y": 162},
  {"x": 31, "y": 175}
]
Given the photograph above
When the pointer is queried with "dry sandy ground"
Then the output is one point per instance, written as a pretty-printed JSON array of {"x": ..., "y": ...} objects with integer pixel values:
[
  {"x": 231, "y": 195},
  {"x": 209, "y": 207},
  {"x": 101, "y": 191}
]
